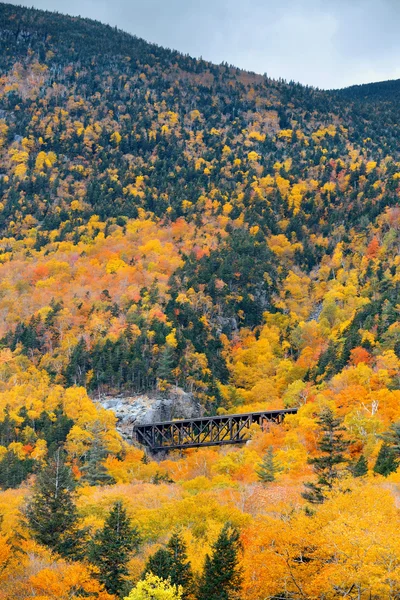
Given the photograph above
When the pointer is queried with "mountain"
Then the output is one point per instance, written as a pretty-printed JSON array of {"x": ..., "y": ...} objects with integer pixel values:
[{"x": 167, "y": 221}]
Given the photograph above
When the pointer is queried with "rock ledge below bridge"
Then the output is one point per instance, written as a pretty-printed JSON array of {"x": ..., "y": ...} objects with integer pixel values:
[{"x": 141, "y": 409}]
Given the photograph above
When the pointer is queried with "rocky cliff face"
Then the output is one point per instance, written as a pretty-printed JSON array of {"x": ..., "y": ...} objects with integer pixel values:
[{"x": 151, "y": 408}]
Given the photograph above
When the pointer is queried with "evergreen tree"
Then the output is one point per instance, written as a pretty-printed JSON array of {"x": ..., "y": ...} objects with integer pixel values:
[
  {"x": 159, "y": 564},
  {"x": 53, "y": 430},
  {"x": 332, "y": 446},
  {"x": 112, "y": 547},
  {"x": 327, "y": 363},
  {"x": 14, "y": 470},
  {"x": 392, "y": 437},
  {"x": 386, "y": 461},
  {"x": 181, "y": 572},
  {"x": 172, "y": 563},
  {"x": 360, "y": 467},
  {"x": 161, "y": 478},
  {"x": 94, "y": 471},
  {"x": 166, "y": 363},
  {"x": 267, "y": 468},
  {"x": 75, "y": 372},
  {"x": 7, "y": 428},
  {"x": 222, "y": 578},
  {"x": 51, "y": 513}
]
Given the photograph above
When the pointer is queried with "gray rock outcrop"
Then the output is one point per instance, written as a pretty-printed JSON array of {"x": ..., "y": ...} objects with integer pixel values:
[{"x": 147, "y": 408}]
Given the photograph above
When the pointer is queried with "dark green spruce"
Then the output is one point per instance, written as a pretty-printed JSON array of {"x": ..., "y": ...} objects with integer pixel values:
[
  {"x": 14, "y": 470},
  {"x": 172, "y": 563},
  {"x": 94, "y": 471},
  {"x": 51, "y": 513},
  {"x": 386, "y": 461},
  {"x": 392, "y": 437},
  {"x": 222, "y": 577},
  {"x": 332, "y": 447},
  {"x": 360, "y": 467},
  {"x": 112, "y": 548},
  {"x": 267, "y": 468}
]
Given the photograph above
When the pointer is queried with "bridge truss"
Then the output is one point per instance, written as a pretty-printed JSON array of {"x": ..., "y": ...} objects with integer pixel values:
[{"x": 204, "y": 431}]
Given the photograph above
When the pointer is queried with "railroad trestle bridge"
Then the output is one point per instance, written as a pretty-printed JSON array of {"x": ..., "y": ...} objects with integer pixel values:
[{"x": 205, "y": 431}]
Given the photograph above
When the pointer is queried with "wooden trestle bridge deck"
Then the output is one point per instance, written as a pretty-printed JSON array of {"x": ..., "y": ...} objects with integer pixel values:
[{"x": 204, "y": 431}]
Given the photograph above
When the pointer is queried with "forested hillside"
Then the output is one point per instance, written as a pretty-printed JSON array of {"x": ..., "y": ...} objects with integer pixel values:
[{"x": 165, "y": 221}]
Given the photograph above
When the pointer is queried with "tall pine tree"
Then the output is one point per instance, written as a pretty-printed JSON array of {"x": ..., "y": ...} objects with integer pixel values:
[
  {"x": 159, "y": 564},
  {"x": 332, "y": 447},
  {"x": 386, "y": 461},
  {"x": 165, "y": 364},
  {"x": 112, "y": 547},
  {"x": 392, "y": 437},
  {"x": 94, "y": 471},
  {"x": 172, "y": 563},
  {"x": 360, "y": 467},
  {"x": 51, "y": 513},
  {"x": 267, "y": 468},
  {"x": 14, "y": 470},
  {"x": 222, "y": 578}
]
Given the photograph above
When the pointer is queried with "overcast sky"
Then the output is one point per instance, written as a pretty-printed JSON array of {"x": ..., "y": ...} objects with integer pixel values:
[{"x": 325, "y": 43}]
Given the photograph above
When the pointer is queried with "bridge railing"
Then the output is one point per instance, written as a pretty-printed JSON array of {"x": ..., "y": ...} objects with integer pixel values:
[{"x": 204, "y": 431}]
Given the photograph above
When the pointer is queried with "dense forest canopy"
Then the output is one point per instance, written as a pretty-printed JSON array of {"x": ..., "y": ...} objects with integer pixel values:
[{"x": 166, "y": 221}]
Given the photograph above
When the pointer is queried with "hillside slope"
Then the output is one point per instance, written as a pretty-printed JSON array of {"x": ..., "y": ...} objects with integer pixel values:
[{"x": 166, "y": 221}]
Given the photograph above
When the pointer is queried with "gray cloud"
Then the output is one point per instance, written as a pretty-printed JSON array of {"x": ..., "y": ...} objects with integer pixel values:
[{"x": 320, "y": 43}]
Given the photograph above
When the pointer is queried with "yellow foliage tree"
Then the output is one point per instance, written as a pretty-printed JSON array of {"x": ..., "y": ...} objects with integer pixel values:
[{"x": 155, "y": 588}]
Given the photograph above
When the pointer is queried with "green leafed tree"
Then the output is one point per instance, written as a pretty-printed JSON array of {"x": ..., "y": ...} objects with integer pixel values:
[
  {"x": 360, "y": 467},
  {"x": 332, "y": 447},
  {"x": 94, "y": 471},
  {"x": 159, "y": 564},
  {"x": 386, "y": 461},
  {"x": 51, "y": 513},
  {"x": 172, "y": 563},
  {"x": 112, "y": 548},
  {"x": 392, "y": 437},
  {"x": 268, "y": 468},
  {"x": 166, "y": 363},
  {"x": 13, "y": 470},
  {"x": 222, "y": 576}
]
